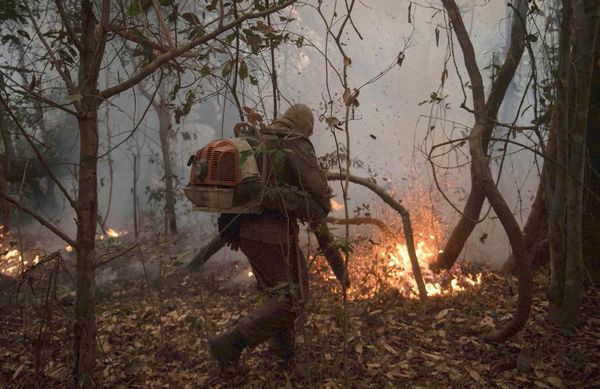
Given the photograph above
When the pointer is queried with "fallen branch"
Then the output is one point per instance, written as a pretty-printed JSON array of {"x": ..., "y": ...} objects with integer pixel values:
[{"x": 408, "y": 233}]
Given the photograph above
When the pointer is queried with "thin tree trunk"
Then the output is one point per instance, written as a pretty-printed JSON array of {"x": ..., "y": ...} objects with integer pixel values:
[
  {"x": 5, "y": 163},
  {"x": 163, "y": 113},
  {"x": 481, "y": 173},
  {"x": 560, "y": 123},
  {"x": 476, "y": 198},
  {"x": 591, "y": 223},
  {"x": 93, "y": 41},
  {"x": 406, "y": 224},
  {"x": 586, "y": 19},
  {"x": 87, "y": 215},
  {"x": 134, "y": 190},
  {"x": 165, "y": 131}
]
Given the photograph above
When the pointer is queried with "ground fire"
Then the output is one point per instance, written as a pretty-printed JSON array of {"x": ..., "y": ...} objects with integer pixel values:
[{"x": 380, "y": 262}]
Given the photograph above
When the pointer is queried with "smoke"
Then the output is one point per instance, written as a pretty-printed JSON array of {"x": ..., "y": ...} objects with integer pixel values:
[{"x": 397, "y": 122}]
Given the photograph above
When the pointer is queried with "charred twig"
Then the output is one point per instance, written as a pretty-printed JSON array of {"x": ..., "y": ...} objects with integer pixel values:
[{"x": 112, "y": 258}]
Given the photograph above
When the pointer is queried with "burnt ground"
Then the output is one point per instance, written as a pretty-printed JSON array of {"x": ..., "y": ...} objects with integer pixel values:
[{"x": 153, "y": 334}]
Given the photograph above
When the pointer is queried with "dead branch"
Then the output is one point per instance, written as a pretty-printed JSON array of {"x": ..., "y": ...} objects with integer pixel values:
[
  {"x": 408, "y": 233},
  {"x": 38, "y": 154},
  {"x": 113, "y": 257},
  {"x": 39, "y": 218},
  {"x": 361, "y": 220},
  {"x": 175, "y": 52}
]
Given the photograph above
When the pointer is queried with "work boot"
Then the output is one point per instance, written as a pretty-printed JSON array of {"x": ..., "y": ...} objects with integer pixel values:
[
  {"x": 226, "y": 348},
  {"x": 282, "y": 346}
]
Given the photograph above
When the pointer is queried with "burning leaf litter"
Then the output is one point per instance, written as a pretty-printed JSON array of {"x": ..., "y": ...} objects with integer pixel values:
[{"x": 382, "y": 263}]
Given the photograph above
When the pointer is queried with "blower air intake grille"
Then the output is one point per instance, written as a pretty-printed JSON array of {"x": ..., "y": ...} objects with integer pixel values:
[{"x": 222, "y": 159}]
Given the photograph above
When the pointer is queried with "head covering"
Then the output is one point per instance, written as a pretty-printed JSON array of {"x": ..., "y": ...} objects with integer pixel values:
[{"x": 298, "y": 118}]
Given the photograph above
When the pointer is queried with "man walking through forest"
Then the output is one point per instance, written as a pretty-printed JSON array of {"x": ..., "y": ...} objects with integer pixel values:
[{"x": 270, "y": 241}]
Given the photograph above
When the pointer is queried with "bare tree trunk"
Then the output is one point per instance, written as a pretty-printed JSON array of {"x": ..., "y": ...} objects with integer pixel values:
[
  {"x": 134, "y": 191},
  {"x": 476, "y": 198},
  {"x": 93, "y": 40},
  {"x": 591, "y": 223},
  {"x": 481, "y": 173},
  {"x": 165, "y": 131},
  {"x": 87, "y": 215},
  {"x": 557, "y": 199},
  {"x": 586, "y": 18},
  {"x": 5, "y": 163},
  {"x": 535, "y": 230}
]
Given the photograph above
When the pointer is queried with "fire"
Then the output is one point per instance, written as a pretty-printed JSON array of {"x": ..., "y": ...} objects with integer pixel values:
[
  {"x": 112, "y": 233},
  {"x": 69, "y": 249},
  {"x": 250, "y": 274},
  {"x": 13, "y": 262},
  {"x": 383, "y": 264},
  {"x": 336, "y": 206},
  {"x": 402, "y": 277}
]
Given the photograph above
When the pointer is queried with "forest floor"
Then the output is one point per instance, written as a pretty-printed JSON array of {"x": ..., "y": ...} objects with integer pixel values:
[{"x": 153, "y": 334}]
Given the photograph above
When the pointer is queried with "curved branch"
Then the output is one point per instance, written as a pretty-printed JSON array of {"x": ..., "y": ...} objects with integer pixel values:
[{"x": 408, "y": 233}]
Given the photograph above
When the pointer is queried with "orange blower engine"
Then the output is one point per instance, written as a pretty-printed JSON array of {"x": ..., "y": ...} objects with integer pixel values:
[{"x": 216, "y": 170}]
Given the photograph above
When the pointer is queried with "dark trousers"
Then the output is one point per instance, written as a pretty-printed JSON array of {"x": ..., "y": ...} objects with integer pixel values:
[{"x": 280, "y": 270}]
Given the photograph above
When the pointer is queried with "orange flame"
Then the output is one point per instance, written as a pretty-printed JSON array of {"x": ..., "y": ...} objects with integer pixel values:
[
  {"x": 336, "y": 206},
  {"x": 112, "y": 233},
  {"x": 383, "y": 263}
]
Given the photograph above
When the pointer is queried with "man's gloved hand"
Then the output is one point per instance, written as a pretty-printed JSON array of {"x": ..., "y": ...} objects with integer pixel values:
[{"x": 331, "y": 251}]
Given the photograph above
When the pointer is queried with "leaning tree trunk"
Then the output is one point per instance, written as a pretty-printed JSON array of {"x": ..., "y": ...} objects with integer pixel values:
[{"x": 165, "y": 132}]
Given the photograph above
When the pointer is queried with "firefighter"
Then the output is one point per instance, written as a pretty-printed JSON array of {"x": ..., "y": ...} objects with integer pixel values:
[{"x": 270, "y": 241}]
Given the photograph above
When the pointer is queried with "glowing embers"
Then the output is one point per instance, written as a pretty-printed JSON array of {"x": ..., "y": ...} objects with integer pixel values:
[
  {"x": 12, "y": 261},
  {"x": 111, "y": 233}
]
